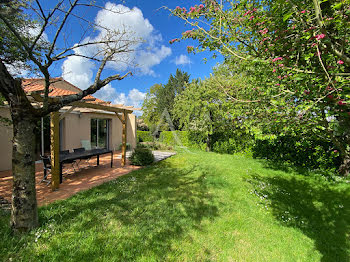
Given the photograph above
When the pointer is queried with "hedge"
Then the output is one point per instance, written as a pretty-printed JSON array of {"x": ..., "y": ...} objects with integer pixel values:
[{"x": 144, "y": 136}]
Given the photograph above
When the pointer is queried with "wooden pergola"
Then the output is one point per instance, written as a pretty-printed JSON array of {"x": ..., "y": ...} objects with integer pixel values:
[{"x": 55, "y": 117}]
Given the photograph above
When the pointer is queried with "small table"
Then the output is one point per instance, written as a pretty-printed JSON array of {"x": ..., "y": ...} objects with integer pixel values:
[{"x": 69, "y": 158}]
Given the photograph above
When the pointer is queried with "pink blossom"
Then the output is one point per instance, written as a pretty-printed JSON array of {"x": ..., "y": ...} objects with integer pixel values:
[
  {"x": 173, "y": 40},
  {"x": 341, "y": 103},
  {"x": 251, "y": 18},
  {"x": 303, "y": 12},
  {"x": 278, "y": 84},
  {"x": 264, "y": 31},
  {"x": 335, "y": 151},
  {"x": 277, "y": 58},
  {"x": 190, "y": 48},
  {"x": 188, "y": 33},
  {"x": 320, "y": 36},
  {"x": 313, "y": 44},
  {"x": 281, "y": 65},
  {"x": 192, "y": 9},
  {"x": 274, "y": 70},
  {"x": 247, "y": 13},
  {"x": 340, "y": 62}
]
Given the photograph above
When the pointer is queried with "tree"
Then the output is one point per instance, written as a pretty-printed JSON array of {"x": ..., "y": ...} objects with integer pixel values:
[
  {"x": 203, "y": 108},
  {"x": 19, "y": 46},
  {"x": 149, "y": 107},
  {"x": 295, "y": 56},
  {"x": 161, "y": 97}
]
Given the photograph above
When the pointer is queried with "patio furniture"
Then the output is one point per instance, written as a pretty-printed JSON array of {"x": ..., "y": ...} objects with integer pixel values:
[
  {"x": 47, "y": 168},
  {"x": 66, "y": 152},
  {"x": 86, "y": 144},
  {"x": 81, "y": 153},
  {"x": 80, "y": 150}
]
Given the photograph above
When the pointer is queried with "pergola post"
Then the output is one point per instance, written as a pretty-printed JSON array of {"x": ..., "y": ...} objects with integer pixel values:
[
  {"x": 124, "y": 134},
  {"x": 55, "y": 149}
]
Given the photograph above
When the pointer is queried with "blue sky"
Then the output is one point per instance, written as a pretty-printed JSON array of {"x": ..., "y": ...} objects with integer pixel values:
[{"x": 156, "y": 59}]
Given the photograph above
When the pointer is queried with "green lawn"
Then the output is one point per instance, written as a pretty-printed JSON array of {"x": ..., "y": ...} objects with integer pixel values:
[{"x": 195, "y": 206}]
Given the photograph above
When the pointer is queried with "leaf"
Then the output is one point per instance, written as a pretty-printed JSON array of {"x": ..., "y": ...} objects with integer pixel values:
[
  {"x": 287, "y": 16},
  {"x": 337, "y": 6}
]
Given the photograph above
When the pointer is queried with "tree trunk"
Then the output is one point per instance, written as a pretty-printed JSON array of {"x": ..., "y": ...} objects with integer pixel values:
[
  {"x": 344, "y": 168},
  {"x": 24, "y": 212},
  {"x": 208, "y": 142}
]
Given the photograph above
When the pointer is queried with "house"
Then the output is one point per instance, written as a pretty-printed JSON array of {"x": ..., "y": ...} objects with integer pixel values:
[{"x": 78, "y": 125}]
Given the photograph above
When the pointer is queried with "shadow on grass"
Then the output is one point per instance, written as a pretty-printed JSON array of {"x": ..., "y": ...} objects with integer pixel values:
[
  {"x": 321, "y": 210},
  {"x": 140, "y": 214}
]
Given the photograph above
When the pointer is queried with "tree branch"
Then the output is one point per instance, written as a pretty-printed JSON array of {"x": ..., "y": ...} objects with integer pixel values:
[{"x": 54, "y": 106}]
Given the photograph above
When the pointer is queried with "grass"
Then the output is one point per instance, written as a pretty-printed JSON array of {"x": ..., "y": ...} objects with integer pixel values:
[{"x": 195, "y": 206}]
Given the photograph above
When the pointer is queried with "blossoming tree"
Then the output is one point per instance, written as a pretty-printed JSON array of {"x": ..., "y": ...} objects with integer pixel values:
[{"x": 295, "y": 56}]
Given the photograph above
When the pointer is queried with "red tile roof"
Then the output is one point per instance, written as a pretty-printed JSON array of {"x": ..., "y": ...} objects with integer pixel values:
[{"x": 32, "y": 85}]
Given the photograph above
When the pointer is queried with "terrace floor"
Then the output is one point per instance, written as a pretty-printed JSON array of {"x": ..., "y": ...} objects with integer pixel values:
[{"x": 73, "y": 182}]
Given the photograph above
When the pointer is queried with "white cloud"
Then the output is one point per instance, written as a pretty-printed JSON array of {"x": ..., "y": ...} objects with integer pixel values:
[
  {"x": 146, "y": 60},
  {"x": 106, "y": 93},
  {"x": 78, "y": 71},
  {"x": 182, "y": 60},
  {"x": 127, "y": 25},
  {"x": 134, "y": 98}
]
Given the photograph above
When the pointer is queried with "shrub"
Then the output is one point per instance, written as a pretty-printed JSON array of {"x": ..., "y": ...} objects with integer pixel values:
[
  {"x": 308, "y": 152},
  {"x": 183, "y": 138},
  {"x": 141, "y": 156},
  {"x": 155, "y": 146},
  {"x": 144, "y": 136}
]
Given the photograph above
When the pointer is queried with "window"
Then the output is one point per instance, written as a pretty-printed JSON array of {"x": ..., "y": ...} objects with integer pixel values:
[{"x": 99, "y": 133}]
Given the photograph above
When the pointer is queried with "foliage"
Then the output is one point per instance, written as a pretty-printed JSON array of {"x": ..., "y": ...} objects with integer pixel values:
[
  {"x": 231, "y": 141},
  {"x": 296, "y": 56},
  {"x": 144, "y": 136},
  {"x": 150, "y": 114},
  {"x": 156, "y": 146},
  {"x": 189, "y": 208},
  {"x": 310, "y": 153},
  {"x": 160, "y": 99},
  {"x": 201, "y": 107},
  {"x": 175, "y": 138},
  {"x": 141, "y": 156},
  {"x": 141, "y": 125}
]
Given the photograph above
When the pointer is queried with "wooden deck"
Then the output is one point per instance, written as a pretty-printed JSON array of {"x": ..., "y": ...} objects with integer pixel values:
[{"x": 73, "y": 182}]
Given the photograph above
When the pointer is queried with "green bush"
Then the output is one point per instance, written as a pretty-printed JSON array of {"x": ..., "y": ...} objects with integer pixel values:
[
  {"x": 144, "y": 136},
  {"x": 156, "y": 146},
  {"x": 308, "y": 152},
  {"x": 232, "y": 141},
  {"x": 141, "y": 156},
  {"x": 177, "y": 138}
]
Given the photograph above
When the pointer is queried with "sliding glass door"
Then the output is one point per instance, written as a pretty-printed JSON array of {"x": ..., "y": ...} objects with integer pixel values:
[{"x": 99, "y": 133}]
